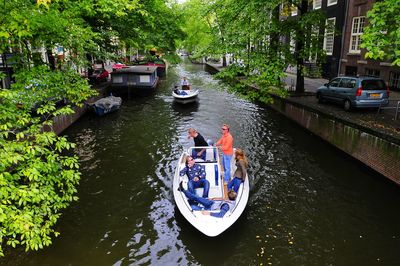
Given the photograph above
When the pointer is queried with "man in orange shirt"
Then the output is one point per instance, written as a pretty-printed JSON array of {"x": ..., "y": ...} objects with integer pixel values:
[{"x": 226, "y": 143}]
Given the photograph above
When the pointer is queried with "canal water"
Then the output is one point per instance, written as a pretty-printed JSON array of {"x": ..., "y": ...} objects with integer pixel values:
[{"x": 309, "y": 204}]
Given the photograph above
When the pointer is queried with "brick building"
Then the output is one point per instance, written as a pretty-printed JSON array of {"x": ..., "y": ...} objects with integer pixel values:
[
  {"x": 335, "y": 12},
  {"x": 353, "y": 61}
]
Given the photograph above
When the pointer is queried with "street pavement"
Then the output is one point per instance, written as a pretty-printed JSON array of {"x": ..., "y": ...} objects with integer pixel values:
[{"x": 310, "y": 84}]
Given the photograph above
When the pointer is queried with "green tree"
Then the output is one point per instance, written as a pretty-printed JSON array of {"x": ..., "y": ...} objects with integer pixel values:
[
  {"x": 38, "y": 171},
  {"x": 381, "y": 37},
  {"x": 251, "y": 33},
  {"x": 195, "y": 24}
]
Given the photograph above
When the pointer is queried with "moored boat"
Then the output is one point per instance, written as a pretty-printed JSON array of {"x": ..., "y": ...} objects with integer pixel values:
[
  {"x": 107, "y": 105},
  {"x": 209, "y": 225},
  {"x": 134, "y": 80}
]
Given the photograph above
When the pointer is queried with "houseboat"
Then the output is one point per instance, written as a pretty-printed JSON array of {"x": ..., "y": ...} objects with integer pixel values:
[
  {"x": 134, "y": 80},
  {"x": 159, "y": 63}
]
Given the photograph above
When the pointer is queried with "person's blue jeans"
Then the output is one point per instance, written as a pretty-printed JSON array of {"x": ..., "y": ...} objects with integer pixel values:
[
  {"x": 224, "y": 209},
  {"x": 206, "y": 203},
  {"x": 194, "y": 155},
  {"x": 192, "y": 185},
  {"x": 235, "y": 184},
  {"x": 226, "y": 163},
  {"x": 192, "y": 197}
]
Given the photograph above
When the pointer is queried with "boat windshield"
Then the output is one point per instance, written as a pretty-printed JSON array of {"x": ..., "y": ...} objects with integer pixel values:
[{"x": 211, "y": 154}]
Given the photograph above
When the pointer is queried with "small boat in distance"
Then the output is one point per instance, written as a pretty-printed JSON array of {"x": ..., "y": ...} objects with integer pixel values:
[
  {"x": 106, "y": 105},
  {"x": 183, "y": 95},
  {"x": 209, "y": 225},
  {"x": 134, "y": 80}
]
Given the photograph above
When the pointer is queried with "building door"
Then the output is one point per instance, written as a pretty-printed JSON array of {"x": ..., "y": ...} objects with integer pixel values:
[{"x": 351, "y": 71}]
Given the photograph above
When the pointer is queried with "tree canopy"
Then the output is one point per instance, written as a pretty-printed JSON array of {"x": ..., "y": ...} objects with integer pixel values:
[
  {"x": 39, "y": 172},
  {"x": 253, "y": 33},
  {"x": 381, "y": 37}
]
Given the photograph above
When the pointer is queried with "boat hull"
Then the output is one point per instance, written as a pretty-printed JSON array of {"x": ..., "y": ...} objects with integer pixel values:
[
  {"x": 189, "y": 98},
  {"x": 102, "y": 111}
]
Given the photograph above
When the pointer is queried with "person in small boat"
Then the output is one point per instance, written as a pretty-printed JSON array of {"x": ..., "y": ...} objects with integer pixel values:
[
  {"x": 226, "y": 144},
  {"x": 185, "y": 84},
  {"x": 198, "y": 142},
  {"x": 179, "y": 92},
  {"x": 207, "y": 205},
  {"x": 197, "y": 176},
  {"x": 241, "y": 170}
]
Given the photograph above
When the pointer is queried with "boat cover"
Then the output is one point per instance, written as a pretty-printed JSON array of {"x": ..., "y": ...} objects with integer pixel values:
[{"x": 109, "y": 103}]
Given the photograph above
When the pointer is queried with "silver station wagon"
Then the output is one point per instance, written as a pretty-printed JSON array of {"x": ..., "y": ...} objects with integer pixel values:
[{"x": 355, "y": 92}]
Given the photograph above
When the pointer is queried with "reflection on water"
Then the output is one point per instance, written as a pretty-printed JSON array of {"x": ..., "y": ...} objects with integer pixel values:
[{"x": 310, "y": 204}]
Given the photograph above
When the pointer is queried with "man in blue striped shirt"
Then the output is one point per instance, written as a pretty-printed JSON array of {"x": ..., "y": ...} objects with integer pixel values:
[{"x": 197, "y": 176}]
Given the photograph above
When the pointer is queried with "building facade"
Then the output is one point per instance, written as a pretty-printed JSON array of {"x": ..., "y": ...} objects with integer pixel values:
[
  {"x": 331, "y": 33},
  {"x": 353, "y": 60},
  {"x": 335, "y": 11}
]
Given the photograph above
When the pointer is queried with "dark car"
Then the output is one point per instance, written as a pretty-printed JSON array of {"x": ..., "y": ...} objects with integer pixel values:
[
  {"x": 98, "y": 75},
  {"x": 355, "y": 92}
]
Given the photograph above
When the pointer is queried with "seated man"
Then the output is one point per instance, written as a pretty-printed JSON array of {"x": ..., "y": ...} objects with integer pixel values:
[
  {"x": 214, "y": 204},
  {"x": 197, "y": 176},
  {"x": 198, "y": 141},
  {"x": 179, "y": 92}
]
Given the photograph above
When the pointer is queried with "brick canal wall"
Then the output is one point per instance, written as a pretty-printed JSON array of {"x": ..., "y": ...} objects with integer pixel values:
[
  {"x": 62, "y": 122},
  {"x": 377, "y": 150}
]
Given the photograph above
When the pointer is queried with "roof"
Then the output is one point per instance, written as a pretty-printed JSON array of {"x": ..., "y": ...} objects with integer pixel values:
[
  {"x": 137, "y": 69},
  {"x": 361, "y": 77}
]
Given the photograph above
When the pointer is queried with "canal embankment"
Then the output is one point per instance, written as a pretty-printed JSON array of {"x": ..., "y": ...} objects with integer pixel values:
[
  {"x": 373, "y": 140},
  {"x": 62, "y": 122}
]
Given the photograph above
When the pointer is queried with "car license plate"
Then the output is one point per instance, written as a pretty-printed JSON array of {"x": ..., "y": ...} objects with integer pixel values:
[{"x": 375, "y": 95}]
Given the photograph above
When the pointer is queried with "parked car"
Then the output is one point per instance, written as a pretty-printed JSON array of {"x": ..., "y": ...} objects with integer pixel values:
[
  {"x": 118, "y": 66},
  {"x": 355, "y": 92},
  {"x": 98, "y": 75}
]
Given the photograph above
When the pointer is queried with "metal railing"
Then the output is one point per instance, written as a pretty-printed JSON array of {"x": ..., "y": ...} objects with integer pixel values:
[{"x": 397, "y": 107}]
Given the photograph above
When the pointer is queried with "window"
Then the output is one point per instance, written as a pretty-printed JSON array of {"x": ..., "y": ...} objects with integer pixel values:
[
  {"x": 347, "y": 83},
  {"x": 294, "y": 10},
  {"x": 329, "y": 35},
  {"x": 292, "y": 44},
  {"x": 334, "y": 82},
  {"x": 313, "y": 43},
  {"x": 117, "y": 79},
  {"x": 144, "y": 79},
  {"x": 356, "y": 32},
  {"x": 317, "y": 4},
  {"x": 351, "y": 71},
  {"x": 394, "y": 80},
  {"x": 372, "y": 72},
  {"x": 373, "y": 85},
  {"x": 332, "y": 2}
]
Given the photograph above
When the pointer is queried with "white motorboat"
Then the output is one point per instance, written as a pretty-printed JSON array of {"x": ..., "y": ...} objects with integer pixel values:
[
  {"x": 209, "y": 225},
  {"x": 185, "y": 96}
]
